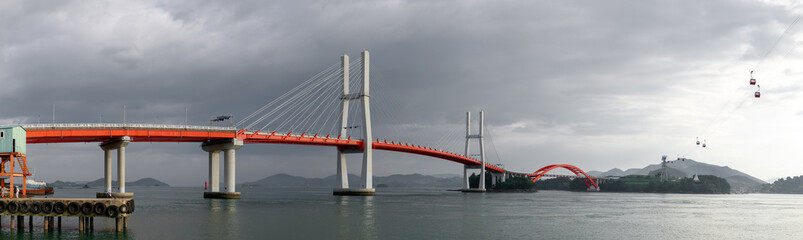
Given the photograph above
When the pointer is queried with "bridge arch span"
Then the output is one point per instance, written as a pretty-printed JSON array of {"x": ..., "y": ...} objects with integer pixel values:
[{"x": 577, "y": 171}]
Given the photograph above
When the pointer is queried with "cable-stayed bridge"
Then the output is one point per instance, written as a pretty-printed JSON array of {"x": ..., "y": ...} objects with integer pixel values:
[{"x": 320, "y": 111}]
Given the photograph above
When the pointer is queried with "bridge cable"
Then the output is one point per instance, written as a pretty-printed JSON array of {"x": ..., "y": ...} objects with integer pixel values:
[
  {"x": 293, "y": 94},
  {"x": 776, "y": 42},
  {"x": 286, "y": 94},
  {"x": 491, "y": 139},
  {"x": 306, "y": 111},
  {"x": 292, "y": 105}
]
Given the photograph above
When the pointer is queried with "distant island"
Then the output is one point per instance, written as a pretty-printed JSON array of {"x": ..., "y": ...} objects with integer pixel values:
[
  {"x": 703, "y": 184},
  {"x": 789, "y": 185},
  {"x": 686, "y": 168},
  {"x": 144, "y": 182},
  {"x": 512, "y": 184}
]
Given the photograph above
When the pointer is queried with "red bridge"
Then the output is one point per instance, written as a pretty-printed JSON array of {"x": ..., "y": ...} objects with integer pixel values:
[{"x": 314, "y": 113}]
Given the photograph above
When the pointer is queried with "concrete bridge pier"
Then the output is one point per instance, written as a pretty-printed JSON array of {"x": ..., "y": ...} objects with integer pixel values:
[
  {"x": 342, "y": 188},
  {"x": 116, "y": 144},
  {"x": 467, "y": 186},
  {"x": 498, "y": 177},
  {"x": 214, "y": 148}
]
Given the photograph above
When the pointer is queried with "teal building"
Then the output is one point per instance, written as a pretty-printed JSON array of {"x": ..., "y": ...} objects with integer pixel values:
[{"x": 12, "y": 139}]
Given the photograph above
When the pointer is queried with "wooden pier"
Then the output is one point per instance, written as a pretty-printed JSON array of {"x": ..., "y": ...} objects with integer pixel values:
[{"x": 53, "y": 209}]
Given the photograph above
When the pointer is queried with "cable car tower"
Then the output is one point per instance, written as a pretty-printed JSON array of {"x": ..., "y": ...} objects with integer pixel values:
[{"x": 664, "y": 176}]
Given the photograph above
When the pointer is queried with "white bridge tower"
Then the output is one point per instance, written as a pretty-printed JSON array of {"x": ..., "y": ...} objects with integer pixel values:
[
  {"x": 480, "y": 137},
  {"x": 366, "y": 186}
]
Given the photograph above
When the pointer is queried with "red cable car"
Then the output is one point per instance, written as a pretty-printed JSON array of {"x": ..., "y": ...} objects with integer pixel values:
[
  {"x": 752, "y": 81},
  {"x": 758, "y": 91}
]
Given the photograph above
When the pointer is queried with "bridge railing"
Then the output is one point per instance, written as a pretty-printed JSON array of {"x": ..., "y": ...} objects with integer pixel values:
[
  {"x": 305, "y": 135},
  {"x": 124, "y": 126}
]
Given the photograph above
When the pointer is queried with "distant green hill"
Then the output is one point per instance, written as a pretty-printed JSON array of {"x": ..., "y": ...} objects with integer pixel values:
[
  {"x": 144, "y": 182},
  {"x": 785, "y": 185},
  {"x": 396, "y": 180},
  {"x": 652, "y": 184},
  {"x": 738, "y": 180}
]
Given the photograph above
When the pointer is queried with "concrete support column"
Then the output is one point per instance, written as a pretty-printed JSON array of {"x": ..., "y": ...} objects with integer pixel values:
[
  {"x": 228, "y": 146},
  {"x": 214, "y": 171},
  {"x": 482, "y": 150},
  {"x": 465, "y": 177},
  {"x": 368, "y": 151},
  {"x": 229, "y": 169},
  {"x": 118, "y": 224},
  {"x": 342, "y": 170},
  {"x": 468, "y": 133},
  {"x": 119, "y": 144},
  {"x": 342, "y": 167},
  {"x": 107, "y": 169},
  {"x": 121, "y": 168},
  {"x": 344, "y": 100}
]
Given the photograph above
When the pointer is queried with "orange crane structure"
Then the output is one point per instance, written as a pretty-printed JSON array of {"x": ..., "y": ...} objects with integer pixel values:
[{"x": 7, "y": 172}]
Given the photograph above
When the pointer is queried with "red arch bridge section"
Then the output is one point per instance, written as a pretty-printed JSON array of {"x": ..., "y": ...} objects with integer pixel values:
[{"x": 588, "y": 180}]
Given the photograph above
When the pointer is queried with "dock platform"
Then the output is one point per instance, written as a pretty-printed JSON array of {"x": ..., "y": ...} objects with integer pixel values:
[{"x": 86, "y": 209}]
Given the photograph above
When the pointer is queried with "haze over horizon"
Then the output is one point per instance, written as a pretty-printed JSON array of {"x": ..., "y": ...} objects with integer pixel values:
[{"x": 598, "y": 85}]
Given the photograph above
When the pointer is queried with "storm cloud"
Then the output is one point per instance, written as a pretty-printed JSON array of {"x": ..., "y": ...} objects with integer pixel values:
[{"x": 595, "y": 84}]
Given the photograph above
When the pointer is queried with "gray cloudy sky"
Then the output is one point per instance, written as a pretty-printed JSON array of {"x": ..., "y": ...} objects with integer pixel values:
[{"x": 597, "y": 84}]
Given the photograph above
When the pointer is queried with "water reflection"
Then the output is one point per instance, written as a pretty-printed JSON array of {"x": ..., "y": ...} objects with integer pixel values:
[
  {"x": 356, "y": 213},
  {"x": 222, "y": 205},
  {"x": 342, "y": 206},
  {"x": 222, "y": 220},
  {"x": 368, "y": 223}
]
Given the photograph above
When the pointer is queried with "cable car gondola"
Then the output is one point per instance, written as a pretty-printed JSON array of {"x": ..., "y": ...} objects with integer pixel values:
[
  {"x": 758, "y": 92},
  {"x": 752, "y": 80},
  {"x": 698, "y": 141}
]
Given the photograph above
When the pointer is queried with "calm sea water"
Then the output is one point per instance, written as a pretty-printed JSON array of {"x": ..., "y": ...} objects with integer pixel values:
[{"x": 277, "y": 213}]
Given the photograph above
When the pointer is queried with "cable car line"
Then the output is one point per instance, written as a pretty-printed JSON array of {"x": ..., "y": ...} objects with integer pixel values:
[
  {"x": 776, "y": 43},
  {"x": 751, "y": 82}
]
